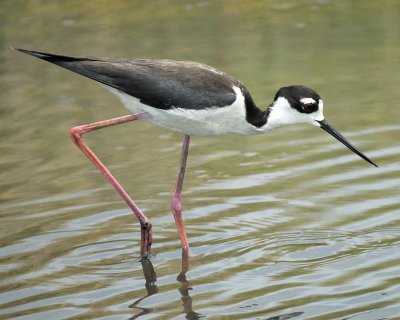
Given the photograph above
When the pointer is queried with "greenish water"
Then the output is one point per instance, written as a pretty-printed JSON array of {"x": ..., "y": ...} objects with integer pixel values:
[{"x": 289, "y": 225}]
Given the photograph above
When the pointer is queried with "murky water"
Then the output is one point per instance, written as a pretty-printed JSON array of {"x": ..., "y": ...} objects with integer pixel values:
[{"x": 289, "y": 225}]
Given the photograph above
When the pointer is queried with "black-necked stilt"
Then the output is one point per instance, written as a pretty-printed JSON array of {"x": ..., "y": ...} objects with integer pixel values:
[{"x": 191, "y": 98}]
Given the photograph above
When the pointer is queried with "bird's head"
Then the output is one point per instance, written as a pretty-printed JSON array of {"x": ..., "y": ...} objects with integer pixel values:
[
  {"x": 299, "y": 104},
  {"x": 296, "y": 104}
]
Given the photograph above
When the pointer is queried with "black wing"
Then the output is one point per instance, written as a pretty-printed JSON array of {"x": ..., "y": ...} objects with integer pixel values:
[{"x": 162, "y": 84}]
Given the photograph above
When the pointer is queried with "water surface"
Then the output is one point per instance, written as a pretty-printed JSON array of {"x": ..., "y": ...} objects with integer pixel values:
[{"x": 289, "y": 225}]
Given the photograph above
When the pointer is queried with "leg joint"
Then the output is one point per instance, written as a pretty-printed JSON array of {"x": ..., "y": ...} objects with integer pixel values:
[
  {"x": 176, "y": 203},
  {"x": 146, "y": 225},
  {"x": 76, "y": 133}
]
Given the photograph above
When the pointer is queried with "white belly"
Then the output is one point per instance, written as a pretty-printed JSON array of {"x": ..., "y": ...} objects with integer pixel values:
[{"x": 207, "y": 122}]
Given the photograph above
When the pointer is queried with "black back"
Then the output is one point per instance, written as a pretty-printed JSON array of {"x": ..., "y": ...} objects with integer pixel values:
[{"x": 162, "y": 84}]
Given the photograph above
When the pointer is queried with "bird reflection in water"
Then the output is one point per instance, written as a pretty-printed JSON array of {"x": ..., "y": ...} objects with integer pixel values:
[
  {"x": 151, "y": 288},
  {"x": 184, "y": 290}
]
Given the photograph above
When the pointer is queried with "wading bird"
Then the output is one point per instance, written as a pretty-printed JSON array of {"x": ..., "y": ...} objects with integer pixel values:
[{"x": 191, "y": 98}]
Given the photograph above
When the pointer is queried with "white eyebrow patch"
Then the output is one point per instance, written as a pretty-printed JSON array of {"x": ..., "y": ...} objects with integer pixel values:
[{"x": 307, "y": 100}]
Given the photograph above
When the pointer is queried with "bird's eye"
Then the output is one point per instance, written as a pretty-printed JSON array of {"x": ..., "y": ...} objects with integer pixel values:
[{"x": 309, "y": 107}]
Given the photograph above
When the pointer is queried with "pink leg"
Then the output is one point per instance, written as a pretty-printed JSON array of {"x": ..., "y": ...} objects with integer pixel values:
[
  {"x": 76, "y": 135},
  {"x": 176, "y": 203}
]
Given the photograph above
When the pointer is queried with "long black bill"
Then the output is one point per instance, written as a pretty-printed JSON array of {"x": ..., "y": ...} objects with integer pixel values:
[{"x": 332, "y": 131}]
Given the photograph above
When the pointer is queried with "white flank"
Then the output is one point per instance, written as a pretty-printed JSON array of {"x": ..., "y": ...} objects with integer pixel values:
[{"x": 205, "y": 122}]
